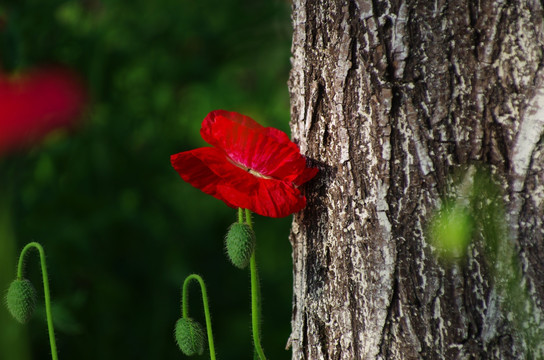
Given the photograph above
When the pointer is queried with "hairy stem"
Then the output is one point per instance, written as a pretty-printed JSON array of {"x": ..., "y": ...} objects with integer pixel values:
[
  {"x": 47, "y": 296},
  {"x": 185, "y": 308},
  {"x": 255, "y": 296}
]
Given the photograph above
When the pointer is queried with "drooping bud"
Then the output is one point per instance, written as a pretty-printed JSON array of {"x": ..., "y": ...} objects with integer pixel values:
[
  {"x": 21, "y": 300},
  {"x": 240, "y": 243},
  {"x": 189, "y": 336}
]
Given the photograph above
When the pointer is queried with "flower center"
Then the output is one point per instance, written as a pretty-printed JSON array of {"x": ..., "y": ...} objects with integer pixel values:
[
  {"x": 258, "y": 174},
  {"x": 249, "y": 170}
]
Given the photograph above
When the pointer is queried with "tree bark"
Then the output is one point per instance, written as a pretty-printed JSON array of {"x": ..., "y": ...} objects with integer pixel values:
[{"x": 389, "y": 99}]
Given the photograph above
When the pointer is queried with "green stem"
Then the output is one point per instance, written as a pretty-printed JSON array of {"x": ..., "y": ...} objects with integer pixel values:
[
  {"x": 248, "y": 218},
  {"x": 255, "y": 313},
  {"x": 47, "y": 296},
  {"x": 185, "y": 308},
  {"x": 241, "y": 215},
  {"x": 255, "y": 298}
]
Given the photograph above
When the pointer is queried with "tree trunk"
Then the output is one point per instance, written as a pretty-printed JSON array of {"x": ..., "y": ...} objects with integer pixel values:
[{"x": 389, "y": 99}]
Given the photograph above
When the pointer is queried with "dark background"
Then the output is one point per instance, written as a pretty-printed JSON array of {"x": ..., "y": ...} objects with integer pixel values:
[{"x": 120, "y": 229}]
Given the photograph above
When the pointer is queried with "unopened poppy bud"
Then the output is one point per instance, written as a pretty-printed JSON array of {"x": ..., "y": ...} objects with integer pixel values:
[
  {"x": 21, "y": 300},
  {"x": 240, "y": 243},
  {"x": 189, "y": 336}
]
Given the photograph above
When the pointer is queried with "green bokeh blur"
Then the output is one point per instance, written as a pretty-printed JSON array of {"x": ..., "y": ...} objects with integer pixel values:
[{"x": 120, "y": 229}]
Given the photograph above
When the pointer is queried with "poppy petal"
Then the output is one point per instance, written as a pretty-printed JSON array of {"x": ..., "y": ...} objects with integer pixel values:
[
  {"x": 267, "y": 197},
  {"x": 194, "y": 167},
  {"x": 265, "y": 150},
  {"x": 306, "y": 175},
  {"x": 232, "y": 116},
  {"x": 209, "y": 170},
  {"x": 35, "y": 103}
]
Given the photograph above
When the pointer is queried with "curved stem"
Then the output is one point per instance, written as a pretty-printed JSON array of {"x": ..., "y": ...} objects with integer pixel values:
[
  {"x": 255, "y": 298},
  {"x": 185, "y": 308},
  {"x": 47, "y": 296}
]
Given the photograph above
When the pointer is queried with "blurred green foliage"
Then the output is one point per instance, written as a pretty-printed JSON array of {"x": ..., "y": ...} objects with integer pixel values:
[
  {"x": 472, "y": 221},
  {"x": 451, "y": 230},
  {"x": 120, "y": 229}
]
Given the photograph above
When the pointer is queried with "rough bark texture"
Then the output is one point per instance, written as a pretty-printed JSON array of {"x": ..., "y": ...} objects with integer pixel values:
[{"x": 389, "y": 99}]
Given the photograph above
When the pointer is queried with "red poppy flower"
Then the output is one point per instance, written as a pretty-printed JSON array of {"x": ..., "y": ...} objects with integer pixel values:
[
  {"x": 249, "y": 166},
  {"x": 35, "y": 103}
]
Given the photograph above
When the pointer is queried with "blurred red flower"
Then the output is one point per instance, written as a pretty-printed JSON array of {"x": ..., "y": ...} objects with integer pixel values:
[
  {"x": 249, "y": 166},
  {"x": 34, "y": 103}
]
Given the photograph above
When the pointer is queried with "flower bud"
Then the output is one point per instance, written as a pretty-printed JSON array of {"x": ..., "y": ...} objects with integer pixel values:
[
  {"x": 21, "y": 300},
  {"x": 240, "y": 243},
  {"x": 189, "y": 336}
]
